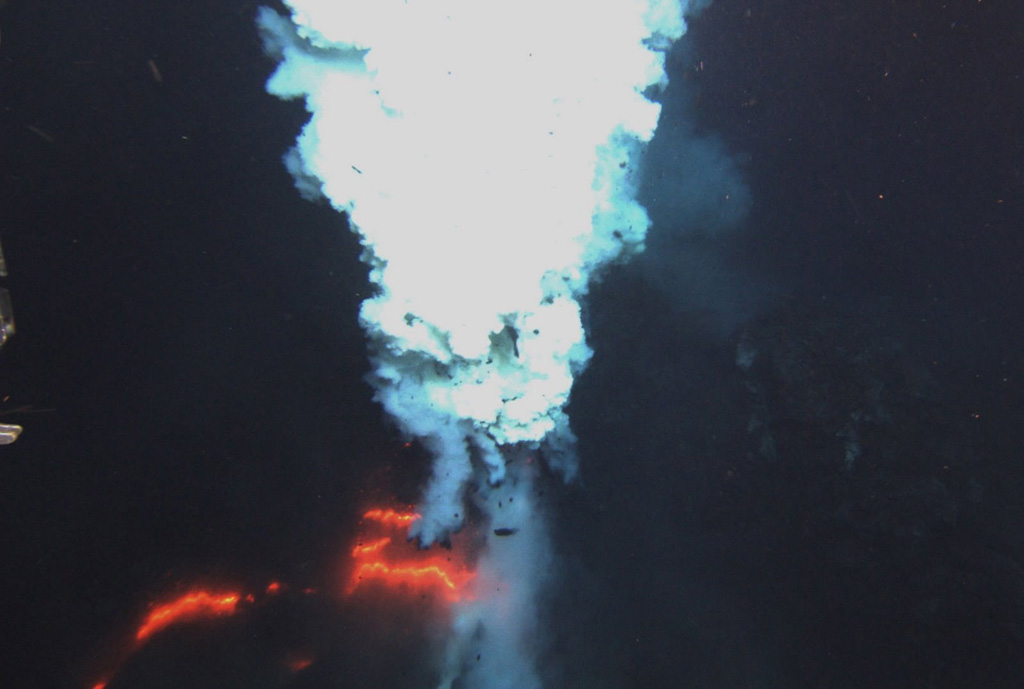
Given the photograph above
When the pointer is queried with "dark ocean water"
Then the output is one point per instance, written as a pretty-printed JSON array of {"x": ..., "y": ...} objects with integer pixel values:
[{"x": 841, "y": 510}]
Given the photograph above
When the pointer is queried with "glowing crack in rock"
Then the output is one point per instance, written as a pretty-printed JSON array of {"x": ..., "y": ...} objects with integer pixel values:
[
  {"x": 402, "y": 565},
  {"x": 192, "y": 606}
]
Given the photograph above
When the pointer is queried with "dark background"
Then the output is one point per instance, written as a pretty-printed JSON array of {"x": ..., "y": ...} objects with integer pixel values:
[{"x": 188, "y": 350}]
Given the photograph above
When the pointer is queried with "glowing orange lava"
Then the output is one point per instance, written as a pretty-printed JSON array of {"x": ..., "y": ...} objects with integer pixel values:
[
  {"x": 369, "y": 548},
  {"x": 391, "y": 517},
  {"x": 191, "y": 606},
  {"x": 435, "y": 573},
  {"x": 404, "y": 565},
  {"x": 199, "y": 605},
  {"x": 378, "y": 556}
]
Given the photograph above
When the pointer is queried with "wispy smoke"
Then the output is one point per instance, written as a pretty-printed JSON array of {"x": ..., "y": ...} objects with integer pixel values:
[
  {"x": 698, "y": 200},
  {"x": 486, "y": 153}
]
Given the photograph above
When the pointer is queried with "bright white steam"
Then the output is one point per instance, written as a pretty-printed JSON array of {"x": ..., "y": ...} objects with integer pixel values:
[{"x": 486, "y": 153}]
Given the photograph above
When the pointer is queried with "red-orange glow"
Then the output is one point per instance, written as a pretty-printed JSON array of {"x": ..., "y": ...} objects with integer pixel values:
[
  {"x": 431, "y": 574},
  {"x": 192, "y": 606},
  {"x": 195, "y": 606},
  {"x": 370, "y": 548},
  {"x": 298, "y": 664},
  {"x": 403, "y": 564},
  {"x": 391, "y": 517}
]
